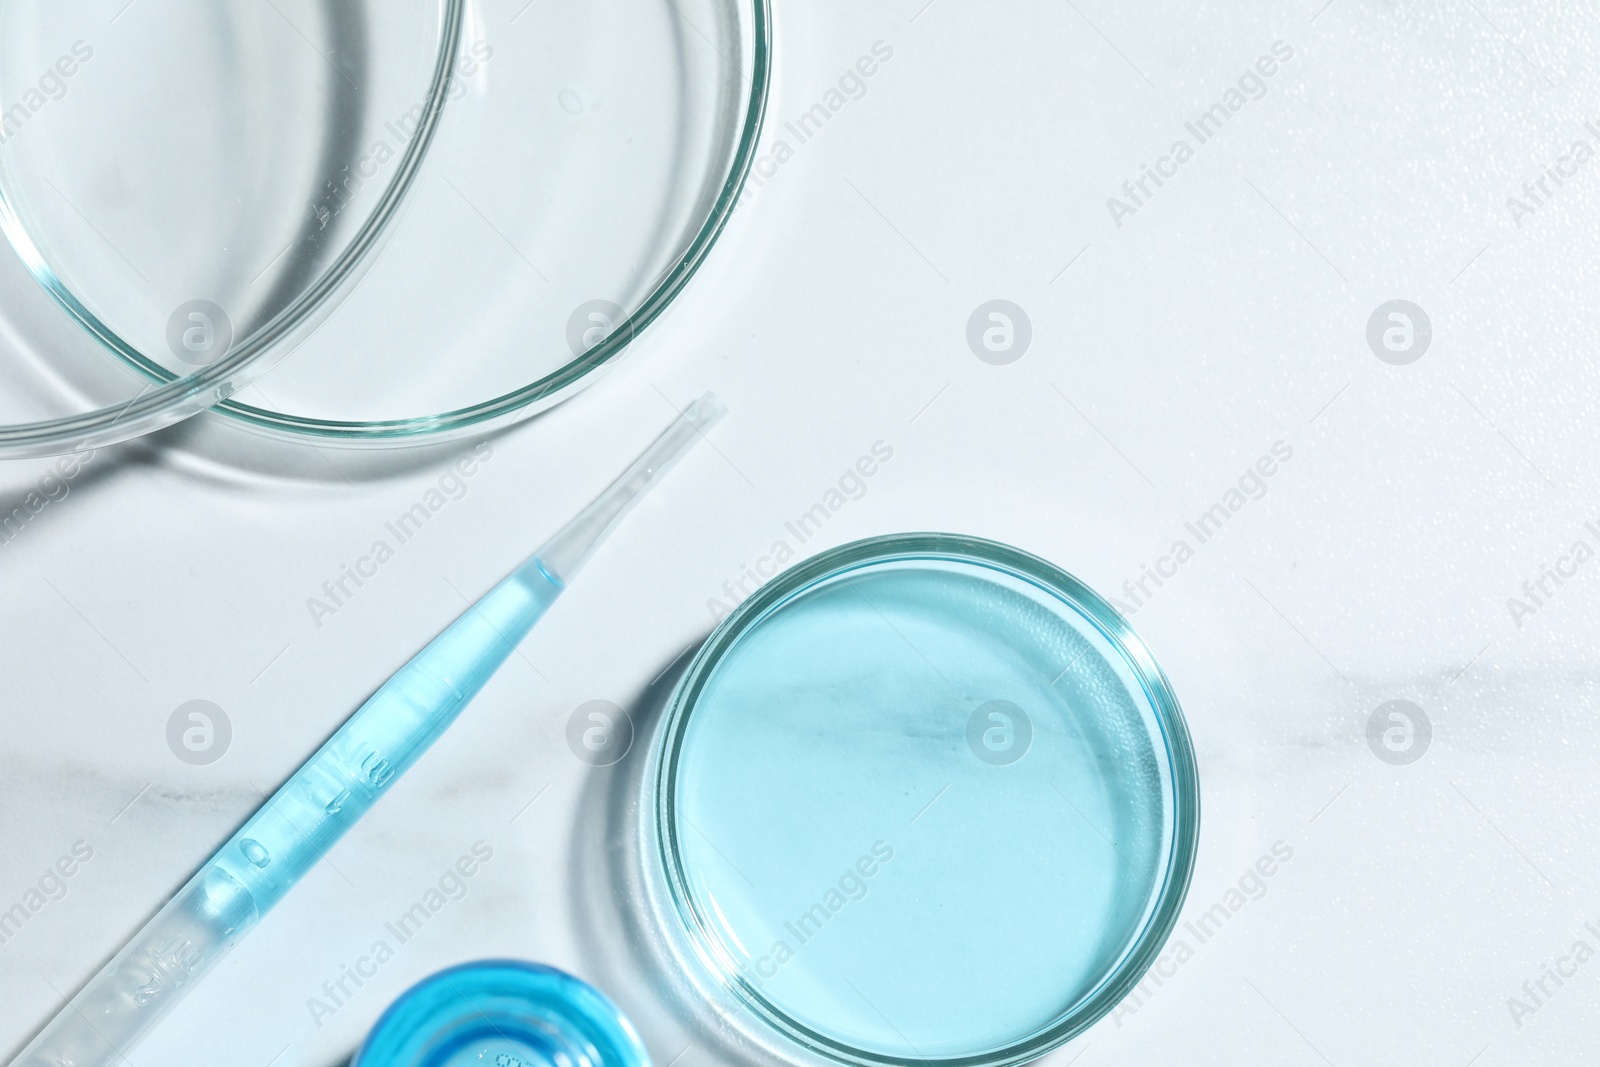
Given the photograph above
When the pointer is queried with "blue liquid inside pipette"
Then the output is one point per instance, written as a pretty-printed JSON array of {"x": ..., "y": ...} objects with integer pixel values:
[{"x": 335, "y": 787}]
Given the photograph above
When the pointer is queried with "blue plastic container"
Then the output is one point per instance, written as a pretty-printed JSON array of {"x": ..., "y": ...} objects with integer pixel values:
[{"x": 502, "y": 1013}]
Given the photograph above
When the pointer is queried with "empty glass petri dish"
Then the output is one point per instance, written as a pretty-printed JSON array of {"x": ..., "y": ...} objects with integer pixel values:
[
  {"x": 588, "y": 157},
  {"x": 544, "y": 178},
  {"x": 923, "y": 798},
  {"x": 170, "y": 175}
]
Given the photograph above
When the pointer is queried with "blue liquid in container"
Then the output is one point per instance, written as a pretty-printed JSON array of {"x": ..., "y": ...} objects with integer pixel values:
[
  {"x": 926, "y": 798},
  {"x": 502, "y": 1013}
]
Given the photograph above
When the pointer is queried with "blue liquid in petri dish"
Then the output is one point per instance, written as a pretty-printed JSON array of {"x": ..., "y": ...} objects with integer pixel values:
[
  {"x": 927, "y": 798},
  {"x": 502, "y": 1013}
]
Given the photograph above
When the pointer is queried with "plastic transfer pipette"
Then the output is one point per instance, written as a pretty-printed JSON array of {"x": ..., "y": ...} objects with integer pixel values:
[{"x": 336, "y": 786}]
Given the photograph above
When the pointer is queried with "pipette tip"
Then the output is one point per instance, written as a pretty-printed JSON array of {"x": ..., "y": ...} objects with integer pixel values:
[
  {"x": 560, "y": 557},
  {"x": 705, "y": 412}
]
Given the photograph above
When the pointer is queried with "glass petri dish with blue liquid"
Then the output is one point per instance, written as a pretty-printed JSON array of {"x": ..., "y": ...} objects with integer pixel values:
[{"x": 923, "y": 798}]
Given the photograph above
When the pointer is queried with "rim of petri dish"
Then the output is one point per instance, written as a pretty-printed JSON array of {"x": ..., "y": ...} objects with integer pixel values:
[
  {"x": 176, "y": 397},
  {"x": 550, "y": 389},
  {"x": 693, "y": 920},
  {"x": 448, "y": 1015}
]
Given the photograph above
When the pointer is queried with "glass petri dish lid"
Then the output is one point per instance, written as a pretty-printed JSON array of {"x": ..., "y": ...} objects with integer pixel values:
[
  {"x": 171, "y": 176},
  {"x": 922, "y": 799},
  {"x": 587, "y": 159}
]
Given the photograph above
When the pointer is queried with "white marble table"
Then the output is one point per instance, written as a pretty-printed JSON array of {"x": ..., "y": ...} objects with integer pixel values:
[{"x": 1177, "y": 336}]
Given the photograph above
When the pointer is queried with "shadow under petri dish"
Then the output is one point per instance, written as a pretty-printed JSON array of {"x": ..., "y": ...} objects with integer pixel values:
[{"x": 923, "y": 803}]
